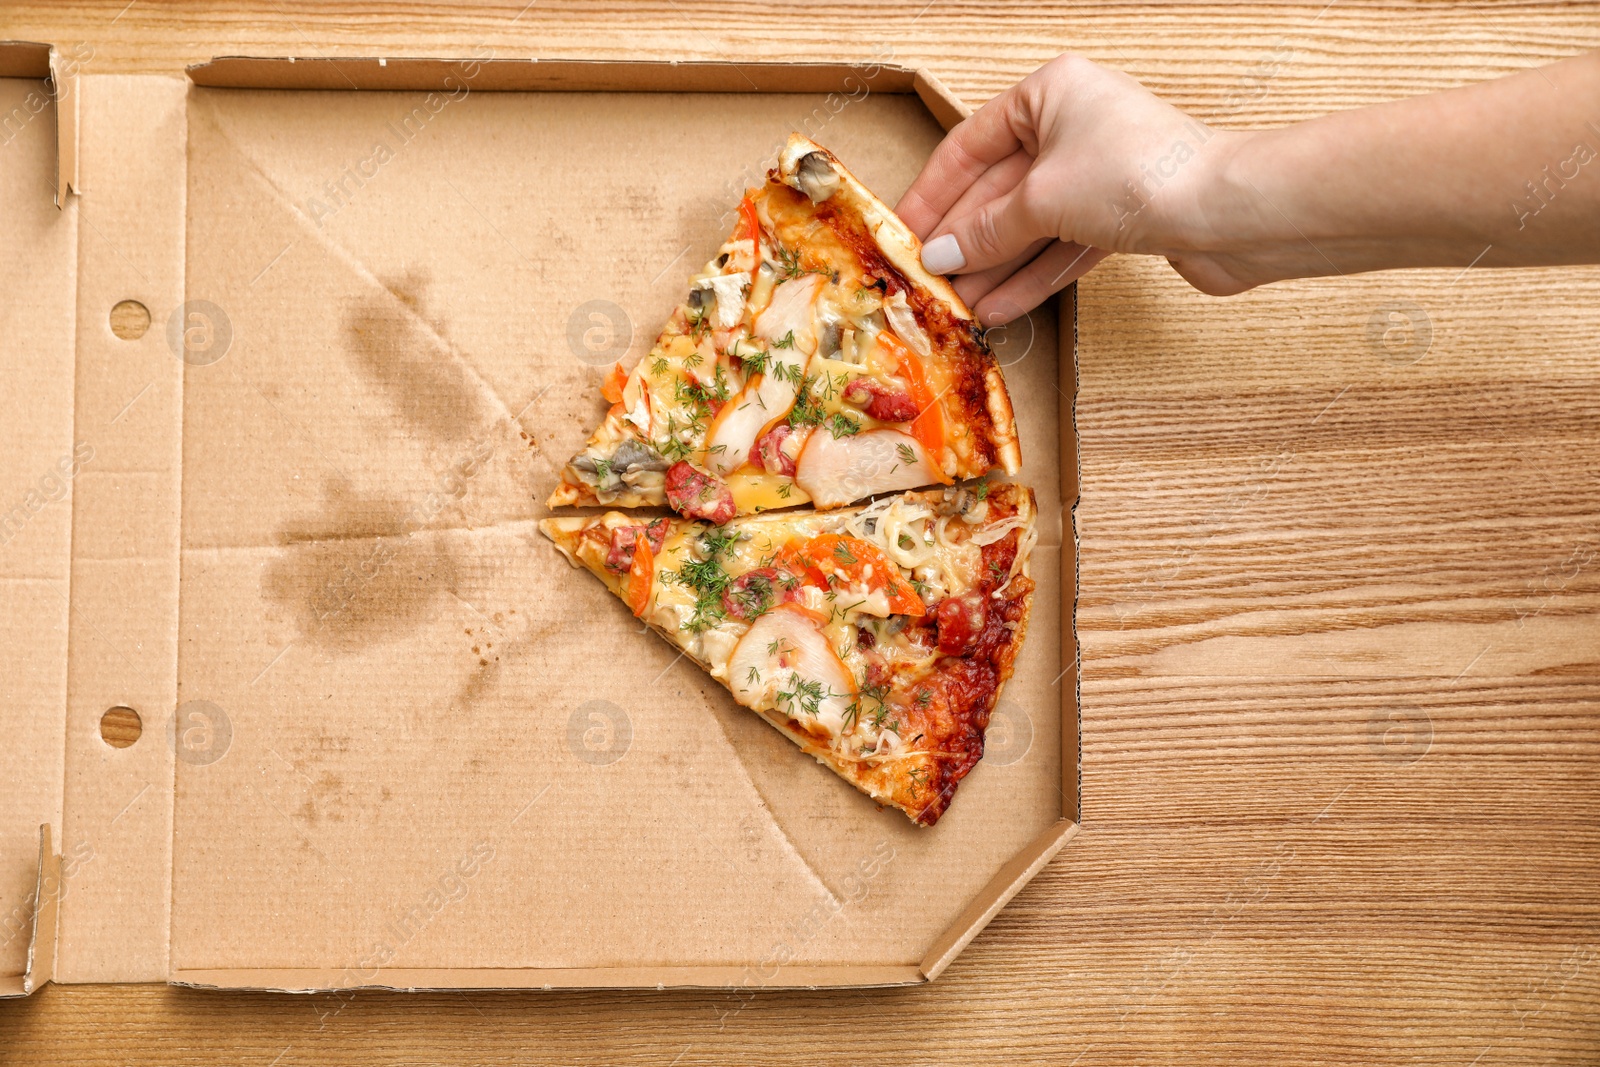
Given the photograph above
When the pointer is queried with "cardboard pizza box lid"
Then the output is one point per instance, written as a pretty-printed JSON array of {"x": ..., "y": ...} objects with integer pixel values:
[{"x": 388, "y": 738}]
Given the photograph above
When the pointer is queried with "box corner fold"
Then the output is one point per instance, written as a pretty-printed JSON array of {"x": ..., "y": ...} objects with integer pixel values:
[
  {"x": 41, "y": 965},
  {"x": 1006, "y": 883}
]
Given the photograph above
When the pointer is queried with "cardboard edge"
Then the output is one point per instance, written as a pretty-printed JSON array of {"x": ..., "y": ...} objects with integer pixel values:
[
  {"x": 422, "y": 979},
  {"x": 537, "y": 74},
  {"x": 1071, "y": 651},
  {"x": 41, "y": 966},
  {"x": 1007, "y": 882},
  {"x": 36, "y": 61},
  {"x": 946, "y": 107},
  {"x": 47, "y": 899},
  {"x": 64, "y": 90}
]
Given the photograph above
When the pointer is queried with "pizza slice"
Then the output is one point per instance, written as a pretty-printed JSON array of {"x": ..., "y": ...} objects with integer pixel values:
[
  {"x": 813, "y": 360},
  {"x": 877, "y": 637}
]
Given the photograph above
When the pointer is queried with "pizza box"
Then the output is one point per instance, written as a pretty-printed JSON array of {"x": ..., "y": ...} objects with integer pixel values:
[{"x": 297, "y": 696}]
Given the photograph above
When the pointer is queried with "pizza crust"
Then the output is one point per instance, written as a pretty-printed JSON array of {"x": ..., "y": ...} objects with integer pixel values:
[{"x": 567, "y": 495}]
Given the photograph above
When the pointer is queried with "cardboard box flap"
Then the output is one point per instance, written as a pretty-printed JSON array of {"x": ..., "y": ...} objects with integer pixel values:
[
  {"x": 740, "y": 980},
  {"x": 1006, "y": 883},
  {"x": 126, "y": 423},
  {"x": 37, "y": 462},
  {"x": 90, "y": 525},
  {"x": 24, "y": 59},
  {"x": 47, "y": 895},
  {"x": 35, "y": 61},
  {"x": 1071, "y": 680},
  {"x": 945, "y": 106},
  {"x": 38, "y": 927},
  {"x": 64, "y": 82}
]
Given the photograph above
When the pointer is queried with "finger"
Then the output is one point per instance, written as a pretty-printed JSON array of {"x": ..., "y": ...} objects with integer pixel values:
[
  {"x": 1056, "y": 268},
  {"x": 998, "y": 231},
  {"x": 997, "y": 181},
  {"x": 967, "y": 152},
  {"x": 974, "y": 287}
]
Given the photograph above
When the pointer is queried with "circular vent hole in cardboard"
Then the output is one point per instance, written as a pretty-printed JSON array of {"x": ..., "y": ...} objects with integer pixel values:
[
  {"x": 120, "y": 726},
  {"x": 130, "y": 319}
]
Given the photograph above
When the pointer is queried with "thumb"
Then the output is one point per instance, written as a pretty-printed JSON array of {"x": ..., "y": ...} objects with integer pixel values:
[{"x": 991, "y": 234}]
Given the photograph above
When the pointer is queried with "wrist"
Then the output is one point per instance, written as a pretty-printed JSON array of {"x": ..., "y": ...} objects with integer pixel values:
[
  {"x": 1210, "y": 205},
  {"x": 1237, "y": 230},
  {"x": 1220, "y": 220}
]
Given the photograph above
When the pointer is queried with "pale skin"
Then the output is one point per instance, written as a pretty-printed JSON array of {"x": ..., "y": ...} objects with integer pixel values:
[{"x": 1077, "y": 162}]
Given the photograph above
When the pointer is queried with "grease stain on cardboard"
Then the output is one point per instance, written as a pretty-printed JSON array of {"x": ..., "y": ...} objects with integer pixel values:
[
  {"x": 359, "y": 575},
  {"x": 397, "y": 345}
]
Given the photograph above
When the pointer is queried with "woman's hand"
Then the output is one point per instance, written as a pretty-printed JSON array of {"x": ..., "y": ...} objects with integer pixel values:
[
  {"x": 1076, "y": 161},
  {"x": 1072, "y": 163}
]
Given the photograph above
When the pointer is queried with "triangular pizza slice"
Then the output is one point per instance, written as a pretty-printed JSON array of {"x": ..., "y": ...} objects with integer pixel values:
[
  {"x": 875, "y": 637},
  {"x": 813, "y": 360}
]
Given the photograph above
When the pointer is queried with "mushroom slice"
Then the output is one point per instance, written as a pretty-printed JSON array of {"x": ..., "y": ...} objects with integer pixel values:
[
  {"x": 817, "y": 178},
  {"x": 812, "y": 173},
  {"x": 727, "y": 290}
]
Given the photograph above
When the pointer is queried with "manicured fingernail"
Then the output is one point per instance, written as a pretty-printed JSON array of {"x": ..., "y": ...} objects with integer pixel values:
[{"x": 943, "y": 255}]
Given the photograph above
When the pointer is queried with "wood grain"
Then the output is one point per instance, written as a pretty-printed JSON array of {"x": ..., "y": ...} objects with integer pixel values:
[{"x": 1340, "y": 611}]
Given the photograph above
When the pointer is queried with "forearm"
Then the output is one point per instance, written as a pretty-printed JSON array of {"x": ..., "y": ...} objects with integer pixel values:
[{"x": 1510, "y": 166}]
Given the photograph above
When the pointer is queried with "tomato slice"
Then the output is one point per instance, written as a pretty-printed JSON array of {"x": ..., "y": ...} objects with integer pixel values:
[
  {"x": 616, "y": 378},
  {"x": 752, "y": 226},
  {"x": 928, "y": 426},
  {"x": 641, "y": 575},
  {"x": 830, "y": 560}
]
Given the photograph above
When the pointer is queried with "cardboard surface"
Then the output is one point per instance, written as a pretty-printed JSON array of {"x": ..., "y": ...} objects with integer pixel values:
[
  {"x": 411, "y": 749},
  {"x": 39, "y": 279},
  {"x": 127, "y": 407}
]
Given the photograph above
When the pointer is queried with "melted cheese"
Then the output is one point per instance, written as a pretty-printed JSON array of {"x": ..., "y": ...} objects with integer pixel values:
[
  {"x": 781, "y": 319},
  {"x": 758, "y": 491},
  {"x": 827, "y": 648}
]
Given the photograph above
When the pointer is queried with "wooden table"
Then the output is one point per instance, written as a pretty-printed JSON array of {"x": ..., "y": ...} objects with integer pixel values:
[{"x": 1340, "y": 581}]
